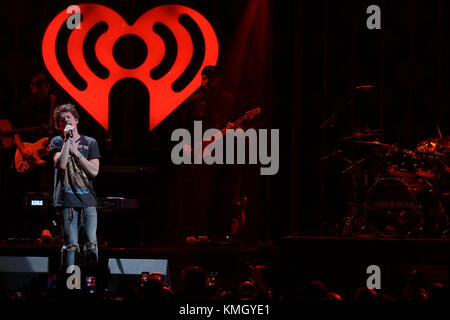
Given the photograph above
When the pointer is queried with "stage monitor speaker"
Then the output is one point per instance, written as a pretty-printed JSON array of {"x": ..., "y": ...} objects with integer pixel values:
[
  {"x": 19, "y": 272},
  {"x": 131, "y": 269},
  {"x": 23, "y": 264}
]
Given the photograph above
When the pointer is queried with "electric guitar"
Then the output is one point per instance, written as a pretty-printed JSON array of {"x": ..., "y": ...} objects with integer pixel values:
[
  {"x": 249, "y": 115},
  {"x": 38, "y": 149}
]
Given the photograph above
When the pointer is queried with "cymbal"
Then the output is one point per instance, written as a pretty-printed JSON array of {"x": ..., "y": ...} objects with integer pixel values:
[
  {"x": 362, "y": 134},
  {"x": 376, "y": 143}
]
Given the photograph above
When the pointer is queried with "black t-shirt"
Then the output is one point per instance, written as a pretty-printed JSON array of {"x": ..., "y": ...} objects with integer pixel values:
[
  {"x": 72, "y": 187},
  {"x": 215, "y": 108}
]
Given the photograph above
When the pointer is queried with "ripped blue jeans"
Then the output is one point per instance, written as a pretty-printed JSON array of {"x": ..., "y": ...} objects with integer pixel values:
[{"x": 73, "y": 220}]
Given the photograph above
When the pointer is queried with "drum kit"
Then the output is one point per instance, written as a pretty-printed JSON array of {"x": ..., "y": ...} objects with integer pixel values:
[{"x": 397, "y": 192}]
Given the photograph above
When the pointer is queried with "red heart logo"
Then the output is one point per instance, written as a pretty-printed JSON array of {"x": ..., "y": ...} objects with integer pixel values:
[{"x": 94, "y": 96}]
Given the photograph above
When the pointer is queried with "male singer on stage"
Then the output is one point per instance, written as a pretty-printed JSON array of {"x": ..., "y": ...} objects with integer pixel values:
[{"x": 76, "y": 159}]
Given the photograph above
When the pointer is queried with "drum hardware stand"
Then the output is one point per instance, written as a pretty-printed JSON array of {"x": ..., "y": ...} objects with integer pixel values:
[
  {"x": 346, "y": 224},
  {"x": 436, "y": 213},
  {"x": 444, "y": 230},
  {"x": 419, "y": 226},
  {"x": 354, "y": 164},
  {"x": 442, "y": 162},
  {"x": 346, "y": 221},
  {"x": 356, "y": 218},
  {"x": 353, "y": 217},
  {"x": 340, "y": 108},
  {"x": 335, "y": 153},
  {"x": 424, "y": 219},
  {"x": 344, "y": 102}
]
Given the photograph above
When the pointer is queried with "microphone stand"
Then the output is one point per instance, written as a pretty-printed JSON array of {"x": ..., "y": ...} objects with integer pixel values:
[{"x": 341, "y": 107}]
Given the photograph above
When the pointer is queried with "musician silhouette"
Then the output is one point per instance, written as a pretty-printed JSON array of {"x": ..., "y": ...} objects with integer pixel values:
[
  {"x": 211, "y": 187},
  {"x": 34, "y": 111},
  {"x": 211, "y": 103}
]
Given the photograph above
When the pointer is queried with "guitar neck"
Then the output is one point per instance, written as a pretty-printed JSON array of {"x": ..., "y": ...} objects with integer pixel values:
[{"x": 236, "y": 123}]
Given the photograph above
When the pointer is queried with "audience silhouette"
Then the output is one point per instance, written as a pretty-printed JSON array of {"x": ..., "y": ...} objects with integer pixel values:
[{"x": 196, "y": 285}]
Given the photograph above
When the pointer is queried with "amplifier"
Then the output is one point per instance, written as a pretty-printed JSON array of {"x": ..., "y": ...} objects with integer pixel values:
[
  {"x": 115, "y": 229},
  {"x": 115, "y": 204}
]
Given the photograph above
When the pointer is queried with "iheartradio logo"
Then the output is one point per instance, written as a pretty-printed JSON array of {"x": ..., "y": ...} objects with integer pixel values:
[{"x": 176, "y": 43}]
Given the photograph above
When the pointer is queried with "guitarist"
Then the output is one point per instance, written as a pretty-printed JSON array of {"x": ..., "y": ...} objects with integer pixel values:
[
  {"x": 212, "y": 186},
  {"x": 211, "y": 103},
  {"x": 34, "y": 111}
]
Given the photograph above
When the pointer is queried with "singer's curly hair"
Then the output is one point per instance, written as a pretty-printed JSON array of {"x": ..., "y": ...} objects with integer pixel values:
[{"x": 68, "y": 107}]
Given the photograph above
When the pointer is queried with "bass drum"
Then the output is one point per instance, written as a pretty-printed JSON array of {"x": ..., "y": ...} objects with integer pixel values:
[{"x": 392, "y": 206}]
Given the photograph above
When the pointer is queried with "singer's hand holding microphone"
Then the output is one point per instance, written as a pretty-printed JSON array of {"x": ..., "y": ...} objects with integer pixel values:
[
  {"x": 73, "y": 146},
  {"x": 68, "y": 131}
]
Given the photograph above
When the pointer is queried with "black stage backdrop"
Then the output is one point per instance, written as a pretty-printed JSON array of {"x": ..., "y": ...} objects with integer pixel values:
[{"x": 296, "y": 59}]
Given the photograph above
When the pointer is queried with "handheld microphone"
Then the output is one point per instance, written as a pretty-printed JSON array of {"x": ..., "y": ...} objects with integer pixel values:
[{"x": 68, "y": 131}]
